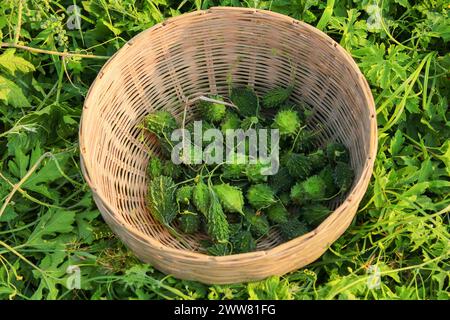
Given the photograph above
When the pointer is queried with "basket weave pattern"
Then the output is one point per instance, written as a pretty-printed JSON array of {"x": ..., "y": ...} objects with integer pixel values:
[{"x": 196, "y": 54}]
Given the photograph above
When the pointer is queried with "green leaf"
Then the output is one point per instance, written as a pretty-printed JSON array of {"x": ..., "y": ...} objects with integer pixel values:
[
  {"x": 13, "y": 63},
  {"x": 84, "y": 222},
  {"x": 51, "y": 224},
  {"x": 12, "y": 94},
  {"x": 111, "y": 27},
  {"x": 380, "y": 66},
  {"x": 397, "y": 143}
]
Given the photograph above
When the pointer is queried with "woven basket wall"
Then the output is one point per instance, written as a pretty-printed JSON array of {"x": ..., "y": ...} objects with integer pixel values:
[{"x": 197, "y": 54}]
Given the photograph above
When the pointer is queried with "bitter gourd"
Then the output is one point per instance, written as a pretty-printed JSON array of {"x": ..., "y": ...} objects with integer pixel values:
[
  {"x": 161, "y": 199},
  {"x": 230, "y": 197},
  {"x": 217, "y": 224}
]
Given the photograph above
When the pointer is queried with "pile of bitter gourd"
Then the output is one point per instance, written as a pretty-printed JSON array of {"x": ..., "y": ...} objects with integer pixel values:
[{"x": 234, "y": 204}]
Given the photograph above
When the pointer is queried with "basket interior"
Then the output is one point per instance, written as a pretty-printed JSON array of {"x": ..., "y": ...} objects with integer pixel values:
[{"x": 167, "y": 66}]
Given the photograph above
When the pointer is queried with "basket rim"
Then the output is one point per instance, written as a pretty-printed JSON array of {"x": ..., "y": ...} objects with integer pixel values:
[{"x": 361, "y": 184}]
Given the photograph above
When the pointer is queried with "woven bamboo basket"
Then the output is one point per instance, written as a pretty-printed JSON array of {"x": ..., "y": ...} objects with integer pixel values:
[{"x": 167, "y": 66}]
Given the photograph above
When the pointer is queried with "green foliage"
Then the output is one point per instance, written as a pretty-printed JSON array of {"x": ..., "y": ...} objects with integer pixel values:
[{"x": 260, "y": 196}]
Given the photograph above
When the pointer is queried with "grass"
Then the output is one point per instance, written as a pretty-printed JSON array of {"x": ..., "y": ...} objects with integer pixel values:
[{"x": 48, "y": 220}]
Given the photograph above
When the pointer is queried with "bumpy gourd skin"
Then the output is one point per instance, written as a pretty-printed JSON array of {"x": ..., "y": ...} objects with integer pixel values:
[
  {"x": 201, "y": 197},
  {"x": 282, "y": 181},
  {"x": 155, "y": 167},
  {"x": 337, "y": 152},
  {"x": 184, "y": 195},
  {"x": 230, "y": 122},
  {"x": 243, "y": 241},
  {"x": 161, "y": 123},
  {"x": 205, "y": 126},
  {"x": 343, "y": 176},
  {"x": 250, "y": 123},
  {"x": 254, "y": 174},
  {"x": 234, "y": 202},
  {"x": 314, "y": 214},
  {"x": 297, "y": 164},
  {"x": 257, "y": 222},
  {"x": 189, "y": 223},
  {"x": 317, "y": 159},
  {"x": 260, "y": 196},
  {"x": 305, "y": 140},
  {"x": 219, "y": 249},
  {"x": 327, "y": 175}
]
